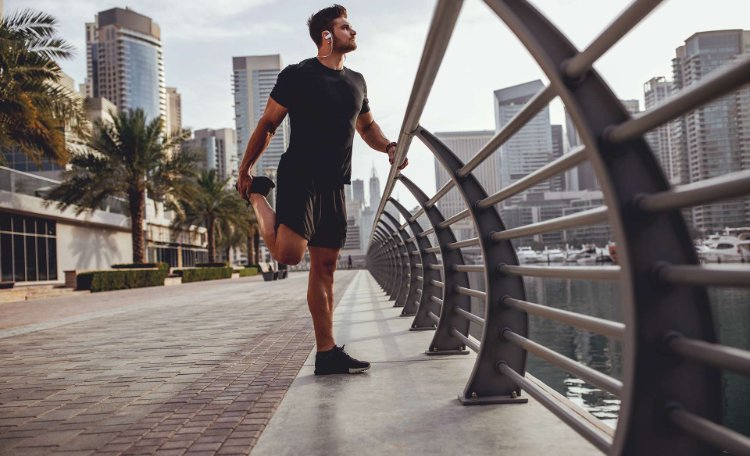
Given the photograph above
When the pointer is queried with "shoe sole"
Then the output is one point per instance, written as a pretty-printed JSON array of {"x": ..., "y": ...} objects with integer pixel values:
[{"x": 353, "y": 370}]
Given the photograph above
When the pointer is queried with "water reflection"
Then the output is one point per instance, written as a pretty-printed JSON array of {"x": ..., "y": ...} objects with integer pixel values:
[
  {"x": 605, "y": 355},
  {"x": 601, "y": 299}
]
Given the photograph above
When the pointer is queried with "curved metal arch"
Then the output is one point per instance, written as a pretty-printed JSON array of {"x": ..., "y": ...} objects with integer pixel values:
[
  {"x": 410, "y": 278},
  {"x": 486, "y": 385},
  {"x": 394, "y": 257},
  {"x": 385, "y": 258},
  {"x": 421, "y": 306},
  {"x": 624, "y": 171},
  {"x": 402, "y": 268},
  {"x": 376, "y": 259},
  {"x": 444, "y": 342}
]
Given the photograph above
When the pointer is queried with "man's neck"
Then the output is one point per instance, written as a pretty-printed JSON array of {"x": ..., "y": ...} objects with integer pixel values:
[{"x": 334, "y": 61}]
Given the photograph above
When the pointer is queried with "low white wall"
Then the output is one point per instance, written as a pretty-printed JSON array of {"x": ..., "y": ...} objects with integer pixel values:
[{"x": 84, "y": 247}]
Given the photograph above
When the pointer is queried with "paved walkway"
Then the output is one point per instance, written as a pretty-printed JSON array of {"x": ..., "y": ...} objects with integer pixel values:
[
  {"x": 406, "y": 404},
  {"x": 193, "y": 369}
]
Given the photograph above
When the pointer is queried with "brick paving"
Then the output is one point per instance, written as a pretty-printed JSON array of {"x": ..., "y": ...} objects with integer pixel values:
[{"x": 194, "y": 369}]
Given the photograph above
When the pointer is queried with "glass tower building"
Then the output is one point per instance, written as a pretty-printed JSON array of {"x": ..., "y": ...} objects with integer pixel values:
[
  {"x": 124, "y": 61},
  {"x": 252, "y": 81},
  {"x": 715, "y": 137}
]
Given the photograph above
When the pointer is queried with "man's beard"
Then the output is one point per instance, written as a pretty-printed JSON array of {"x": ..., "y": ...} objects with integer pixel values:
[{"x": 344, "y": 48}]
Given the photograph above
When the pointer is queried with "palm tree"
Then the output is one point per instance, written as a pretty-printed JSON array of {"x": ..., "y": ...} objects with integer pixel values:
[
  {"x": 128, "y": 158},
  {"x": 218, "y": 208},
  {"x": 34, "y": 106}
]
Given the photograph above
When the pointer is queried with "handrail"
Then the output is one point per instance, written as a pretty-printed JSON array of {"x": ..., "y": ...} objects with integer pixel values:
[{"x": 441, "y": 28}]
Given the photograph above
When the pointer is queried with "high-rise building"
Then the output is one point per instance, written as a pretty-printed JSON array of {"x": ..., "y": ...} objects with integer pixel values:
[
  {"x": 174, "y": 110},
  {"x": 253, "y": 79},
  {"x": 557, "y": 183},
  {"x": 531, "y": 147},
  {"x": 216, "y": 149},
  {"x": 358, "y": 191},
  {"x": 716, "y": 137},
  {"x": 583, "y": 177},
  {"x": 124, "y": 61},
  {"x": 466, "y": 144},
  {"x": 664, "y": 139},
  {"x": 374, "y": 189}
]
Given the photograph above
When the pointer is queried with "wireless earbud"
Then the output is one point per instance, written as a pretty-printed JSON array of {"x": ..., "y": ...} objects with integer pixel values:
[{"x": 327, "y": 35}]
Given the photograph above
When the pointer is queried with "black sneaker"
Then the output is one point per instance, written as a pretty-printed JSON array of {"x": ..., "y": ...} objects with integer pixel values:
[{"x": 337, "y": 361}]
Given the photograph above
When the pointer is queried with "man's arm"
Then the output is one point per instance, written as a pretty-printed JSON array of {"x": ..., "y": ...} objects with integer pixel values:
[
  {"x": 371, "y": 133},
  {"x": 264, "y": 131}
]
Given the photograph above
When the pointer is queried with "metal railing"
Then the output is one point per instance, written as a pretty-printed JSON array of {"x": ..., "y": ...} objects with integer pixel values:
[{"x": 670, "y": 391}]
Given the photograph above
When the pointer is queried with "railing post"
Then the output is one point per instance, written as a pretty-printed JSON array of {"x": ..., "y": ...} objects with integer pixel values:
[
  {"x": 393, "y": 279},
  {"x": 409, "y": 263},
  {"x": 444, "y": 342},
  {"x": 486, "y": 385},
  {"x": 418, "y": 302},
  {"x": 400, "y": 269},
  {"x": 382, "y": 260}
]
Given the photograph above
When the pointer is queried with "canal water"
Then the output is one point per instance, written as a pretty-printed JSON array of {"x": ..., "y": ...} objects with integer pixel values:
[{"x": 601, "y": 299}]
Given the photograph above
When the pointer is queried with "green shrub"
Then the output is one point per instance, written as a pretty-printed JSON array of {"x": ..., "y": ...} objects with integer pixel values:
[
  {"x": 216, "y": 264},
  {"x": 83, "y": 280},
  {"x": 200, "y": 274},
  {"x": 247, "y": 272},
  {"x": 120, "y": 280}
]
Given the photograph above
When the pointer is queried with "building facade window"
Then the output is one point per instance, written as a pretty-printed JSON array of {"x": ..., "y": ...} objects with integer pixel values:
[
  {"x": 28, "y": 248},
  {"x": 170, "y": 254}
]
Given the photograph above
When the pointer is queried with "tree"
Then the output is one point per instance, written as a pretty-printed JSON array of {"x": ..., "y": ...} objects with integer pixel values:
[
  {"x": 34, "y": 106},
  {"x": 127, "y": 158},
  {"x": 219, "y": 209}
]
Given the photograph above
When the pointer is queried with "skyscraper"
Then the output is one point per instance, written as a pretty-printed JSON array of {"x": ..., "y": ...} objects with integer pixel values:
[
  {"x": 358, "y": 191},
  {"x": 466, "y": 144},
  {"x": 531, "y": 147},
  {"x": 174, "y": 110},
  {"x": 374, "y": 189},
  {"x": 557, "y": 183},
  {"x": 715, "y": 137},
  {"x": 253, "y": 79},
  {"x": 217, "y": 149},
  {"x": 124, "y": 61},
  {"x": 664, "y": 139}
]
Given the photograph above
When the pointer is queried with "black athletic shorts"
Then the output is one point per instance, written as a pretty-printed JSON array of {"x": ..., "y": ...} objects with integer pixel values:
[{"x": 315, "y": 212}]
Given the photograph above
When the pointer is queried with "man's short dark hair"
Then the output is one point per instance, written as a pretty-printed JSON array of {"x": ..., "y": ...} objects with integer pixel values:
[{"x": 323, "y": 20}]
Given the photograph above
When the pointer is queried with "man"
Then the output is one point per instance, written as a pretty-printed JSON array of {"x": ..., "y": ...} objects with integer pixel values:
[{"x": 326, "y": 103}]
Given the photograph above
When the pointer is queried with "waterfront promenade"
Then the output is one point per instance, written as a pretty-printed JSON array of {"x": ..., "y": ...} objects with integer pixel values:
[{"x": 201, "y": 368}]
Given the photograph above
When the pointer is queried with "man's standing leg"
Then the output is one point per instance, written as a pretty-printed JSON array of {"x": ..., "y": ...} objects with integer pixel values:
[
  {"x": 320, "y": 294},
  {"x": 330, "y": 359}
]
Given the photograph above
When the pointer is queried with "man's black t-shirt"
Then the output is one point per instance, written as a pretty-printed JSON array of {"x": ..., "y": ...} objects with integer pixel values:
[{"x": 323, "y": 106}]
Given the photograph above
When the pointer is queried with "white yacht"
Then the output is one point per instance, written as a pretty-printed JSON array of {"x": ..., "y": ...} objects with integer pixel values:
[
  {"x": 527, "y": 255},
  {"x": 552, "y": 256},
  {"x": 732, "y": 246}
]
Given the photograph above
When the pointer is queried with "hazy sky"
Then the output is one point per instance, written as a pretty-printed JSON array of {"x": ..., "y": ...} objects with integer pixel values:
[{"x": 200, "y": 37}]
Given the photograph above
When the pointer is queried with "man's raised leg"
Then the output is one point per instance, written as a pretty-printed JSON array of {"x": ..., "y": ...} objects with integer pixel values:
[{"x": 286, "y": 246}]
